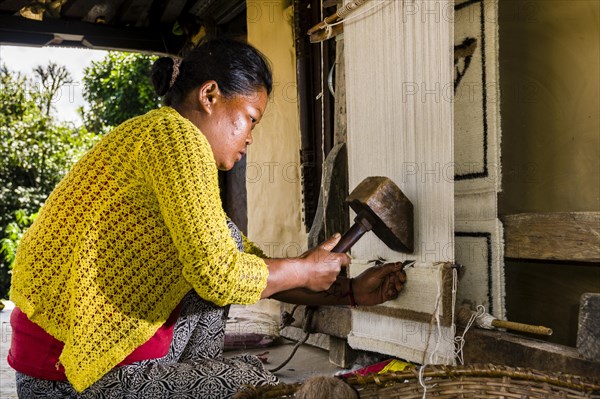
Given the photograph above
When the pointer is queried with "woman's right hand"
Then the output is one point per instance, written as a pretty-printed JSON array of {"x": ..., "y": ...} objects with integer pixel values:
[
  {"x": 315, "y": 270},
  {"x": 320, "y": 266}
]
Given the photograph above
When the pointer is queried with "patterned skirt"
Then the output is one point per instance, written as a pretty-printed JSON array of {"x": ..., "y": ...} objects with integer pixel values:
[{"x": 193, "y": 368}]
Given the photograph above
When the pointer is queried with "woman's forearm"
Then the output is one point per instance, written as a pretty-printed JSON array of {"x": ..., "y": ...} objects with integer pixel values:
[
  {"x": 315, "y": 270},
  {"x": 337, "y": 295},
  {"x": 373, "y": 286},
  {"x": 284, "y": 275}
]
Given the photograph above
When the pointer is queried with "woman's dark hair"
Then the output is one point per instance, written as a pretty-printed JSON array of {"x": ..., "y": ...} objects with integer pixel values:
[{"x": 237, "y": 67}]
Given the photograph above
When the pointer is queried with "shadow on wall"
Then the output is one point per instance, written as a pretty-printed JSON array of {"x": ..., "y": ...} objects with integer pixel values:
[{"x": 548, "y": 294}]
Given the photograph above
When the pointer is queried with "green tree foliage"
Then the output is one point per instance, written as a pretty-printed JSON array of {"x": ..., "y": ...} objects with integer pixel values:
[
  {"x": 51, "y": 77},
  {"x": 36, "y": 150},
  {"x": 13, "y": 234},
  {"x": 118, "y": 88},
  {"x": 14, "y": 100}
]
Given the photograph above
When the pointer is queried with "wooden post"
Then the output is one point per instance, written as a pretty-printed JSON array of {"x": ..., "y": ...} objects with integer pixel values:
[
  {"x": 588, "y": 333},
  {"x": 568, "y": 236}
]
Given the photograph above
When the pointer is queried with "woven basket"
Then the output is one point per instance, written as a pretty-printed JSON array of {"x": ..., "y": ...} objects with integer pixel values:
[{"x": 474, "y": 381}]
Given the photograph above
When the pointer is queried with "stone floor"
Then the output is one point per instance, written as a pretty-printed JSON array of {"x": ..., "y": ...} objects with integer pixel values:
[
  {"x": 308, "y": 360},
  {"x": 7, "y": 375}
]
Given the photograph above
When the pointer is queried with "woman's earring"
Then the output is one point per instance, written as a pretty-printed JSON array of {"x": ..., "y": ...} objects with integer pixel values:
[{"x": 207, "y": 105}]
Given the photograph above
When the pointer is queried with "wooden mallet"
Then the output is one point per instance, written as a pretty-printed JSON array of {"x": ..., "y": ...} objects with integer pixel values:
[{"x": 382, "y": 207}]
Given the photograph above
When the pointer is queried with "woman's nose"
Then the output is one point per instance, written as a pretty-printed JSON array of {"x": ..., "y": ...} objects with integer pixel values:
[{"x": 249, "y": 138}]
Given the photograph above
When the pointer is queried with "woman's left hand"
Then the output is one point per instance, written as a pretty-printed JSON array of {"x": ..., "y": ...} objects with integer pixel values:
[{"x": 379, "y": 284}]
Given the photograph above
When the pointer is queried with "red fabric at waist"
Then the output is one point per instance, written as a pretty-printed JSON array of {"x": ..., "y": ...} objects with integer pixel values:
[{"x": 35, "y": 352}]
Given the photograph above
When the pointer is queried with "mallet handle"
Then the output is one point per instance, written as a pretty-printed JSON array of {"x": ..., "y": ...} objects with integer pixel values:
[{"x": 358, "y": 229}]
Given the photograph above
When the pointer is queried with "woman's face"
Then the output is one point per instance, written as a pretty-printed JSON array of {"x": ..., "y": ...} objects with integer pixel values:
[{"x": 229, "y": 125}]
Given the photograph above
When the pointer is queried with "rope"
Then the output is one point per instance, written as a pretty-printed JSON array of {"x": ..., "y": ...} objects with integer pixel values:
[
  {"x": 422, "y": 382},
  {"x": 342, "y": 15},
  {"x": 308, "y": 315},
  {"x": 436, "y": 316},
  {"x": 460, "y": 341},
  {"x": 287, "y": 318},
  {"x": 286, "y": 361},
  {"x": 433, "y": 357},
  {"x": 484, "y": 320},
  {"x": 348, "y": 8},
  {"x": 353, "y": 16},
  {"x": 435, "y": 320}
]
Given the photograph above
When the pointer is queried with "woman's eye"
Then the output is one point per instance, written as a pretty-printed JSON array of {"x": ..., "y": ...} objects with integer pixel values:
[{"x": 253, "y": 120}]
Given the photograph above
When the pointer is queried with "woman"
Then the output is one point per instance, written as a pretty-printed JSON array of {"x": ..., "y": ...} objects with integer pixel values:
[{"x": 121, "y": 284}]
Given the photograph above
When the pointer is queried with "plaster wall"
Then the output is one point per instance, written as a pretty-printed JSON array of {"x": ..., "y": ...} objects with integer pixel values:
[
  {"x": 273, "y": 172},
  {"x": 549, "y": 74},
  {"x": 550, "y": 69}
]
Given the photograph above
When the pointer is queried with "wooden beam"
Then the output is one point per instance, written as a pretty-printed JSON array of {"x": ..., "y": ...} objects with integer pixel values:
[
  {"x": 77, "y": 9},
  {"x": 135, "y": 13},
  {"x": 15, "y": 30},
  {"x": 106, "y": 12},
  {"x": 332, "y": 213},
  {"x": 482, "y": 346},
  {"x": 13, "y": 5},
  {"x": 560, "y": 236},
  {"x": 340, "y": 120},
  {"x": 172, "y": 11}
]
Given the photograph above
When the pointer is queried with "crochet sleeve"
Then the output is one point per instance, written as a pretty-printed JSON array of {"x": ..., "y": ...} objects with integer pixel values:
[
  {"x": 177, "y": 163},
  {"x": 252, "y": 248}
]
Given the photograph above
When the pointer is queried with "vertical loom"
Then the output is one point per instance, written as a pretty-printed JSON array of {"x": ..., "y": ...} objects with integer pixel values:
[{"x": 399, "y": 93}]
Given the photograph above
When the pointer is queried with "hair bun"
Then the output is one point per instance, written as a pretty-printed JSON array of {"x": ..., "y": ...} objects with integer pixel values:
[{"x": 161, "y": 75}]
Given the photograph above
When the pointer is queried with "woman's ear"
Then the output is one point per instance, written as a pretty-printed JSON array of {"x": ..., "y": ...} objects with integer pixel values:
[{"x": 208, "y": 94}]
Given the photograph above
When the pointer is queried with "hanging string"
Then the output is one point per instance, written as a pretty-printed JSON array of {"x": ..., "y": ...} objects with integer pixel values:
[
  {"x": 453, "y": 325},
  {"x": 433, "y": 356},
  {"x": 459, "y": 342},
  {"x": 422, "y": 382},
  {"x": 328, "y": 30},
  {"x": 454, "y": 290},
  {"x": 435, "y": 321},
  {"x": 435, "y": 317}
]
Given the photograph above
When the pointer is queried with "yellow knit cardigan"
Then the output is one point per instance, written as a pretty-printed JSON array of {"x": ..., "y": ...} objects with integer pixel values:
[{"x": 134, "y": 226}]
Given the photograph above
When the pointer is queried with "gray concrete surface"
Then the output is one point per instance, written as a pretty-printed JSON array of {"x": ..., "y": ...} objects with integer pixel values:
[
  {"x": 7, "y": 374},
  {"x": 307, "y": 362}
]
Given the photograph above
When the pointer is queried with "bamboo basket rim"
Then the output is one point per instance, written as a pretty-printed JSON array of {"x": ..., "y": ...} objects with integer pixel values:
[
  {"x": 584, "y": 385},
  {"x": 481, "y": 370}
]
